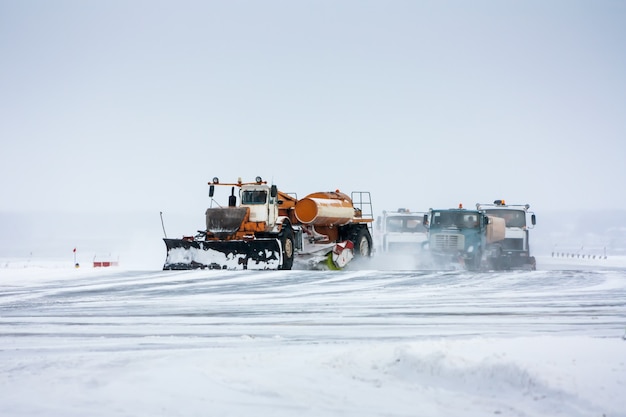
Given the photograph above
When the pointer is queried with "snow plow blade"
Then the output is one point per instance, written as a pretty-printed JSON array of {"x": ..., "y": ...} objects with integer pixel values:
[{"x": 185, "y": 254}]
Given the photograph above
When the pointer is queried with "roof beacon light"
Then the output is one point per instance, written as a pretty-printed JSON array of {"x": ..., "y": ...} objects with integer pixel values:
[
  {"x": 499, "y": 203},
  {"x": 259, "y": 180},
  {"x": 460, "y": 205}
]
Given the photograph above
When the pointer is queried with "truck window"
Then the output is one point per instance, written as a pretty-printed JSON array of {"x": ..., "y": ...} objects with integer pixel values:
[
  {"x": 512, "y": 218},
  {"x": 470, "y": 221},
  {"x": 253, "y": 197},
  {"x": 415, "y": 225},
  {"x": 457, "y": 219},
  {"x": 405, "y": 224},
  {"x": 394, "y": 224},
  {"x": 444, "y": 219}
]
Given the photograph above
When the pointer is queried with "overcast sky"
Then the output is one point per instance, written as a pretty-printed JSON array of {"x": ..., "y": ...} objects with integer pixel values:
[{"x": 136, "y": 105}]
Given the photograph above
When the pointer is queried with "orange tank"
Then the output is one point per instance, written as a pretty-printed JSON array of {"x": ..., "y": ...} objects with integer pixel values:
[{"x": 325, "y": 209}]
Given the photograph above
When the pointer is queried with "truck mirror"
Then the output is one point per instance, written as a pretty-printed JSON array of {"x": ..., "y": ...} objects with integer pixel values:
[
  {"x": 232, "y": 200},
  {"x": 486, "y": 220},
  {"x": 273, "y": 191},
  {"x": 533, "y": 219},
  {"x": 211, "y": 190},
  {"x": 425, "y": 220}
]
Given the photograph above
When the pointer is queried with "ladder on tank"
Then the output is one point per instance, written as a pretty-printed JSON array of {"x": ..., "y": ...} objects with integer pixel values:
[{"x": 362, "y": 200}]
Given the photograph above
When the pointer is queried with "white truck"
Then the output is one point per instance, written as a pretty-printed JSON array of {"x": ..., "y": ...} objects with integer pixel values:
[
  {"x": 514, "y": 249},
  {"x": 402, "y": 231}
]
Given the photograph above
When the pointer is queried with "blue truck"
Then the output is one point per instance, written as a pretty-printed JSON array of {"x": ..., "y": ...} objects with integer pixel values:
[{"x": 458, "y": 237}]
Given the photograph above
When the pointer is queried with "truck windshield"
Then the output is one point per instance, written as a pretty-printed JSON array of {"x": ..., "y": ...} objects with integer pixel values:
[
  {"x": 512, "y": 218},
  {"x": 462, "y": 220},
  {"x": 253, "y": 197},
  {"x": 406, "y": 224}
]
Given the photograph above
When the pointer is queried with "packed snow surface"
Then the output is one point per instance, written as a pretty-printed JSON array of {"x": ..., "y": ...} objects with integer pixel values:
[{"x": 120, "y": 342}]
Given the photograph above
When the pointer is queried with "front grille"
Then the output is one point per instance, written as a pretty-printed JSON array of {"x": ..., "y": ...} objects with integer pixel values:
[
  {"x": 447, "y": 242},
  {"x": 512, "y": 244}
]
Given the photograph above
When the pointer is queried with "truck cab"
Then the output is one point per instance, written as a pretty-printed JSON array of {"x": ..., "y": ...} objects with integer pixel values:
[
  {"x": 455, "y": 236},
  {"x": 461, "y": 236},
  {"x": 260, "y": 199},
  {"x": 515, "y": 247},
  {"x": 402, "y": 231}
]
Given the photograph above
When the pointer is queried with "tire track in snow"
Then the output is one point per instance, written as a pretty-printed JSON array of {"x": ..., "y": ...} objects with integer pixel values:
[{"x": 342, "y": 306}]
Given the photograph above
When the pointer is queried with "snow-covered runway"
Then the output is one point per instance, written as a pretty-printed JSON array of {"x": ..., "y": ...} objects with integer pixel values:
[{"x": 104, "y": 342}]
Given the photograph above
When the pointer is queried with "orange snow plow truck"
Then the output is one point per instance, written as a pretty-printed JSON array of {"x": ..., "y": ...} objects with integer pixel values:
[{"x": 270, "y": 229}]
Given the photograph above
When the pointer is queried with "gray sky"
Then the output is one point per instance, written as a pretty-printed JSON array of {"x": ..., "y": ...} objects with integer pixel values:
[{"x": 136, "y": 105}]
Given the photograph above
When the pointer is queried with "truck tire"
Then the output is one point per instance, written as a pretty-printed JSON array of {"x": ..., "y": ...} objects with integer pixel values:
[
  {"x": 362, "y": 242},
  {"x": 474, "y": 263},
  {"x": 287, "y": 243},
  {"x": 533, "y": 263},
  {"x": 496, "y": 260}
]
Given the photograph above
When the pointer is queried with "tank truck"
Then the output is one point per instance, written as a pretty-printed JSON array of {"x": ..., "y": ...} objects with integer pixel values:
[
  {"x": 461, "y": 237},
  {"x": 271, "y": 229},
  {"x": 513, "y": 252}
]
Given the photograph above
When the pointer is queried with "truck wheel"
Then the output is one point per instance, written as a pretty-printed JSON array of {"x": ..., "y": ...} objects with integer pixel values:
[
  {"x": 533, "y": 264},
  {"x": 286, "y": 239},
  {"x": 497, "y": 264},
  {"x": 362, "y": 243},
  {"x": 496, "y": 260},
  {"x": 475, "y": 261}
]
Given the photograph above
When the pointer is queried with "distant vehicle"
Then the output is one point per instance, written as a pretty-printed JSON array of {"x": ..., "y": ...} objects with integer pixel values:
[
  {"x": 513, "y": 252},
  {"x": 271, "y": 229},
  {"x": 402, "y": 231},
  {"x": 461, "y": 237}
]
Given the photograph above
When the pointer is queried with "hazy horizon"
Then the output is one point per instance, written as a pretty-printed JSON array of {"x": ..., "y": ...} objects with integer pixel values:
[{"x": 136, "y": 237}]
